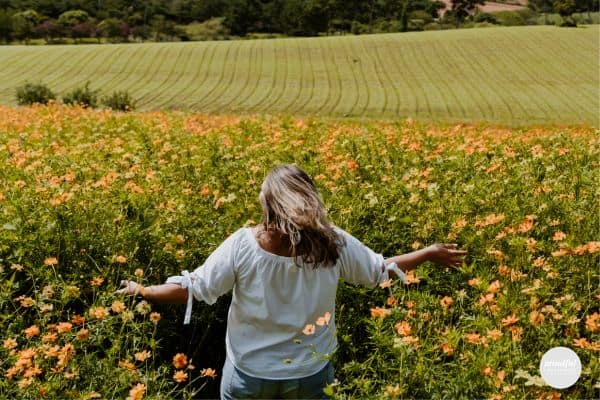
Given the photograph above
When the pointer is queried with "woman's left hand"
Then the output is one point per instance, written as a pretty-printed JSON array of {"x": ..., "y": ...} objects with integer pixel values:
[
  {"x": 129, "y": 288},
  {"x": 446, "y": 254}
]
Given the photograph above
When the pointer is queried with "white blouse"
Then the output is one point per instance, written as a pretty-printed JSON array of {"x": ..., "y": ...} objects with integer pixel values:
[{"x": 274, "y": 299}]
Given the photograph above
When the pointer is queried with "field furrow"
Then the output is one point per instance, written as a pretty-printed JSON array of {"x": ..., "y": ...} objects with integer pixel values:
[{"x": 215, "y": 75}]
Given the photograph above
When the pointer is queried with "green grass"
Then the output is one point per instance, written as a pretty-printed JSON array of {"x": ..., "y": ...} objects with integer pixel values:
[{"x": 515, "y": 76}]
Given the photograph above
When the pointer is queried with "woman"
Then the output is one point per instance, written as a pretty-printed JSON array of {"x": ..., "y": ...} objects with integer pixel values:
[{"x": 284, "y": 274}]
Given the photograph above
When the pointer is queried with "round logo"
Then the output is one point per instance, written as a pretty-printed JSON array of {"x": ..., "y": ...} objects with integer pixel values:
[{"x": 560, "y": 367}]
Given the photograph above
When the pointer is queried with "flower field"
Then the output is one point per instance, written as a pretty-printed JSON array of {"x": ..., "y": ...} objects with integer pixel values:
[{"x": 88, "y": 198}]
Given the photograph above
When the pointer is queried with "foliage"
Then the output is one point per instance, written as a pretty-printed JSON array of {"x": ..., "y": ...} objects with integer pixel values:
[
  {"x": 31, "y": 93},
  {"x": 72, "y": 18},
  {"x": 514, "y": 18},
  {"x": 82, "y": 96},
  {"x": 89, "y": 198},
  {"x": 565, "y": 8},
  {"x": 212, "y": 29},
  {"x": 485, "y": 17},
  {"x": 119, "y": 100},
  {"x": 461, "y": 9},
  {"x": 114, "y": 29}
]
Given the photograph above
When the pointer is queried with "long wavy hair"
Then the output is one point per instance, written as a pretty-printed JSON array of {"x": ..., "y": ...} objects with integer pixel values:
[{"x": 293, "y": 208}]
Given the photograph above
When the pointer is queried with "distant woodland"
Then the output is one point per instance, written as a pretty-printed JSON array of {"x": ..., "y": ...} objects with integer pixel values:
[{"x": 61, "y": 21}]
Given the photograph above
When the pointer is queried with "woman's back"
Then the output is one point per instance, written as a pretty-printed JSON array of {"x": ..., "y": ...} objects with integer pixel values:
[{"x": 275, "y": 297}]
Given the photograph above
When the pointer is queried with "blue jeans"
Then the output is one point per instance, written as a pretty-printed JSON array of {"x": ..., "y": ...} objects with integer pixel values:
[{"x": 237, "y": 385}]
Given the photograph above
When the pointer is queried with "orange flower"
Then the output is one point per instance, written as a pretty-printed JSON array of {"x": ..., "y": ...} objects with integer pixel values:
[
  {"x": 386, "y": 284},
  {"x": 582, "y": 343},
  {"x": 96, "y": 281},
  {"x": 64, "y": 327},
  {"x": 474, "y": 282},
  {"x": 118, "y": 306},
  {"x": 446, "y": 302},
  {"x": 447, "y": 349},
  {"x": 487, "y": 371},
  {"x": 32, "y": 331},
  {"x": 83, "y": 334},
  {"x": 205, "y": 191},
  {"x": 352, "y": 165},
  {"x": 324, "y": 320},
  {"x": 411, "y": 278},
  {"x": 490, "y": 219},
  {"x": 495, "y": 287},
  {"x": 25, "y": 301},
  {"x": 140, "y": 272},
  {"x": 209, "y": 372},
  {"x": 473, "y": 338},
  {"x": 127, "y": 365},
  {"x": 379, "y": 312},
  {"x": 120, "y": 259},
  {"x": 459, "y": 224},
  {"x": 309, "y": 329},
  {"x": 154, "y": 317},
  {"x": 137, "y": 392},
  {"x": 516, "y": 332},
  {"x": 99, "y": 312},
  {"x": 403, "y": 328},
  {"x": 526, "y": 225},
  {"x": 180, "y": 360},
  {"x": 50, "y": 261},
  {"x": 592, "y": 322},
  {"x": 9, "y": 344},
  {"x": 536, "y": 317},
  {"x": 391, "y": 301},
  {"x": 494, "y": 334},
  {"x": 180, "y": 376},
  {"x": 142, "y": 355},
  {"x": 558, "y": 236},
  {"x": 78, "y": 319},
  {"x": 510, "y": 320},
  {"x": 412, "y": 340},
  {"x": 32, "y": 371},
  {"x": 593, "y": 247}
]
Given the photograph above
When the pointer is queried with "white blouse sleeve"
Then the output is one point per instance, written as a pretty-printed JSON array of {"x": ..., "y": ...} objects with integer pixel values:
[
  {"x": 359, "y": 264},
  {"x": 214, "y": 278}
]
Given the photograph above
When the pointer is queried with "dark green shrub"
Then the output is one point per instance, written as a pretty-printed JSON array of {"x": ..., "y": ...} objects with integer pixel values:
[
  {"x": 31, "y": 93},
  {"x": 119, "y": 100},
  {"x": 485, "y": 17},
  {"x": 432, "y": 26},
  {"x": 83, "y": 96},
  {"x": 515, "y": 18}
]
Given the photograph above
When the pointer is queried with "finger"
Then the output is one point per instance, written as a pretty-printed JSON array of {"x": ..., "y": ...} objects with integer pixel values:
[
  {"x": 459, "y": 252},
  {"x": 450, "y": 245}
]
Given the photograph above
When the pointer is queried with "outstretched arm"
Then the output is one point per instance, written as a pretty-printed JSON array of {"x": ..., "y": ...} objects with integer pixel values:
[
  {"x": 170, "y": 293},
  {"x": 446, "y": 255}
]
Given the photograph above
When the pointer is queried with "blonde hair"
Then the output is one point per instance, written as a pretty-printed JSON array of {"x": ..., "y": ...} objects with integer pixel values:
[{"x": 292, "y": 207}]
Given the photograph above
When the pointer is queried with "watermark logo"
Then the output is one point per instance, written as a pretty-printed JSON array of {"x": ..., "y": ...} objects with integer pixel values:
[{"x": 560, "y": 367}]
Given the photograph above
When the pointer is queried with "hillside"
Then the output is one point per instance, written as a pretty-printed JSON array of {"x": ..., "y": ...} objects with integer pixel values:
[{"x": 506, "y": 75}]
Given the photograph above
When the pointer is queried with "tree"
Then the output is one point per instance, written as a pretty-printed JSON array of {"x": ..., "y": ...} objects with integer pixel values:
[
  {"x": 85, "y": 29},
  {"x": 24, "y": 23},
  {"x": 461, "y": 9},
  {"x": 6, "y": 26},
  {"x": 49, "y": 30},
  {"x": 71, "y": 18},
  {"x": 565, "y": 8},
  {"x": 113, "y": 29}
]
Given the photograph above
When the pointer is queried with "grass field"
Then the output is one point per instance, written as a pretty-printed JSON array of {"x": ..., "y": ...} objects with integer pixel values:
[{"x": 514, "y": 76}]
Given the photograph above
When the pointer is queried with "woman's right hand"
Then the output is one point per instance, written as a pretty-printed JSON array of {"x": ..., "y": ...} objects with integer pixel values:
[{"x": 446, "y": 254}]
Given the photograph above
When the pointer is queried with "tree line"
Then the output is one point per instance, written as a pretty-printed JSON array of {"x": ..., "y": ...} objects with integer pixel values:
[{"x": 123, "y": 20}]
